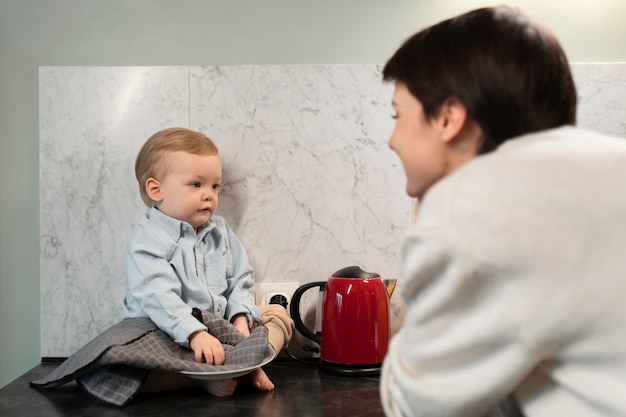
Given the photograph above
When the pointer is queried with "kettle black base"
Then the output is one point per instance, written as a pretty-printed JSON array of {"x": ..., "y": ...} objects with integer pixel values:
[{"x": 350, "y": 370}]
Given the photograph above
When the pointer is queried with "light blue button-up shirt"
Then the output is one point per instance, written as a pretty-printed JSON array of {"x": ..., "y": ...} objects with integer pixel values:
[{"x": 170, "y": 269}]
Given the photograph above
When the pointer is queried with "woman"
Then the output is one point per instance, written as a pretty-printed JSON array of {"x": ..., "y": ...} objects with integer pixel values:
[{"x": 513, "y": 273}]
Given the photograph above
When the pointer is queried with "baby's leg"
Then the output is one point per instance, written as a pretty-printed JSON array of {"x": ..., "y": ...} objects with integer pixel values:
[
  {"x": 259, "y": 379},
  {"x": 279, "y": 326},
  {"x": 279, "y": 331},
  {"x": 220, "y": 387}
]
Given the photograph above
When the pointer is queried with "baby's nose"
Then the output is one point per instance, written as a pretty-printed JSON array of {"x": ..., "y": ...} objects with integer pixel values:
[{"x": 208, "y": 195}]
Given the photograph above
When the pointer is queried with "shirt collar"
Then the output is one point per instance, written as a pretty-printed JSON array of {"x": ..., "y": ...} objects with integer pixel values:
[{"x": 177, "y": 229}]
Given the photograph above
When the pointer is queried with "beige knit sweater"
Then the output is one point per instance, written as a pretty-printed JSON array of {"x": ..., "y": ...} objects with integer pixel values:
[{"x": 515, "y": 278}]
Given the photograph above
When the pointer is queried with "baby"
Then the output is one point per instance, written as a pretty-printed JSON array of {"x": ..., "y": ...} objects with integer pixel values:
[{"x": 182, "y": 256}]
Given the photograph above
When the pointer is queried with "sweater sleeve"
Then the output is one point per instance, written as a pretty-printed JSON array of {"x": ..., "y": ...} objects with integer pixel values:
[{"x": 459, "y": 352}]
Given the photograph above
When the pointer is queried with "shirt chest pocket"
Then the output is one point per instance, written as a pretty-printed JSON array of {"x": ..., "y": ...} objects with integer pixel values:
[{"x": 214, "y": 269}]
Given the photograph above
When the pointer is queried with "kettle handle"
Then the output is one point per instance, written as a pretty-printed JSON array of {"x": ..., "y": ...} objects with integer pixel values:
[{"x": 294, "y": 309}]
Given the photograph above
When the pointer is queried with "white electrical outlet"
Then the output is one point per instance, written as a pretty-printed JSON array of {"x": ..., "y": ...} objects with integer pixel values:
[{"x": 264, "y": 291}]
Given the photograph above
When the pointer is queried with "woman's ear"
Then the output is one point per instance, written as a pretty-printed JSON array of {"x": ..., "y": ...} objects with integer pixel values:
[
  {"x": 452, "y": 118},
  {"x": 153, "y": 189},
  {"x": 458, "y": 130}
]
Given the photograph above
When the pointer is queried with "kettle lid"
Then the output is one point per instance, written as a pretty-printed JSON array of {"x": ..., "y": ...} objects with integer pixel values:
[{"x": 354, "y": 272}]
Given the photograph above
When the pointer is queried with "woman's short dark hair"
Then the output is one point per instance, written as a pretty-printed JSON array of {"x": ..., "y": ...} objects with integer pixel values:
[{"x": 511, "y": 75}]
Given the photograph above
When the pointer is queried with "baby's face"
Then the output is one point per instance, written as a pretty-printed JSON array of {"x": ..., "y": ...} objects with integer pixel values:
[{"x": 189, "y": 191}]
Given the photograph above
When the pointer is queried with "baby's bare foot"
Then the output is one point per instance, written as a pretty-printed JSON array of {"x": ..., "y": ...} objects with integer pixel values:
[
  {"x": 220, "y": 387},
  {"x": 260, "y": 380}
]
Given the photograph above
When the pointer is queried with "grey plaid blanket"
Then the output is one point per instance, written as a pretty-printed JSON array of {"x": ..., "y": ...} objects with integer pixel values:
[{"x": 113, "y": 366}]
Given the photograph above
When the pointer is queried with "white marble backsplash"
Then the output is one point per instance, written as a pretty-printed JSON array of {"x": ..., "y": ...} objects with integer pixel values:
[
  {"x": 310, "y": 185},
  {"x": 602, "y": 97}
]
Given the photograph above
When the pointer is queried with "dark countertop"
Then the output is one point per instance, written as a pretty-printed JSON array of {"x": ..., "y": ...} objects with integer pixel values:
[{"x": 301, "y": 391}]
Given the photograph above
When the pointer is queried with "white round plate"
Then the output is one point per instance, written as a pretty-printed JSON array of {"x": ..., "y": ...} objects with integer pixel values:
[{"x": 230, "y": 374}]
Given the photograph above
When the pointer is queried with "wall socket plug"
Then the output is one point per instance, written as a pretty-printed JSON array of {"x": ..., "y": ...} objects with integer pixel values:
[{"x": 264, "y": 291}]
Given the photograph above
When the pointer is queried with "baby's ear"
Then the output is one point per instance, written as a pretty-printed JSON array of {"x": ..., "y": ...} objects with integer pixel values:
[{"x": 153, "y": 189}]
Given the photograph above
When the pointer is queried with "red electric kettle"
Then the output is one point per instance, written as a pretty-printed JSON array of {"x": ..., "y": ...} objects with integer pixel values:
[{"x": 355, "y": 329}]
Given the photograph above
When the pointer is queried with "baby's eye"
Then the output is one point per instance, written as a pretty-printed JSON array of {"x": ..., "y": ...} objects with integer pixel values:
[
  {"x": 196, "y": 184},
  {"x": 217, "y": 186},
  {"x": 394, "y": 116}
]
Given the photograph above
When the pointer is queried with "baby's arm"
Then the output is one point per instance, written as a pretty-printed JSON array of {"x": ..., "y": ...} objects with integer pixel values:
[
  {"x": 239, "y": 279},
  {"x": 240, "y": 321},
  {"x": 207, "y": 348}
]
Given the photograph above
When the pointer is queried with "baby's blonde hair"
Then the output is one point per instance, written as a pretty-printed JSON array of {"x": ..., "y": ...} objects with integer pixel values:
[{"x": 151, "y": 161}]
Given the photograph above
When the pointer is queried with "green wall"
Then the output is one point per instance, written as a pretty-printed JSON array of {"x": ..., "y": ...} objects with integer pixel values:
[{"x": 34, "y": 33}]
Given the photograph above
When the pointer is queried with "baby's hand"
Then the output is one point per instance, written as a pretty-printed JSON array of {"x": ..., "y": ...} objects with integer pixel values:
[{"x": 207, "y": 348}]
